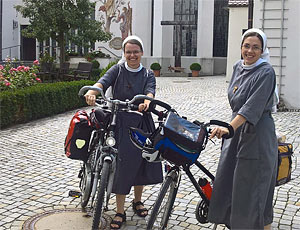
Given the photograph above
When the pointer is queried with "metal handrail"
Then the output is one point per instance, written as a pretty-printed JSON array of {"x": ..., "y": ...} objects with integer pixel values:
[
  {"x": 102, "y": 47},
  {"x": 10, "y": 47}
]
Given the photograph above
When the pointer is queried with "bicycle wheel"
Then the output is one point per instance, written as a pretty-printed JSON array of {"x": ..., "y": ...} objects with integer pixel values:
[
  {"x": 85, "y": 184},
  {"x": 163, "y": 205},
  {"x": 101, "y": 195}
]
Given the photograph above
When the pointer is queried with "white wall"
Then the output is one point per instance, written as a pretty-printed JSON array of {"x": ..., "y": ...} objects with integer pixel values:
[
  {"x": 205, "y": 28},
  {"x": 291, "y": 89},
  {"x": 238, "y": 20},
  {"x": 10, "y": 36},
  {"x": 289, "y": 81}
]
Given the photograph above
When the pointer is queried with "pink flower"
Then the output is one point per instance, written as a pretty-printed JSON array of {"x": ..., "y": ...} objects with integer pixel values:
[
  {"x": 7, "y": 83},
  {"x": 12, "y": 70},
  {"x": 20, "y": 68},
  {"x": 1, "y": 67},
  {"x": 26, "y": 68},
  {"x": 39, "y": 80},
  {"x": 34, "y": 74},
  {"x": 36, "y": 62}
]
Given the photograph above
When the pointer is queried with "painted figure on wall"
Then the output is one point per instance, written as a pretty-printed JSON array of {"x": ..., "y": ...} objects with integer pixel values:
[
  {"x": 111, "y": 9},
  {"x": 126, "y": 21}
]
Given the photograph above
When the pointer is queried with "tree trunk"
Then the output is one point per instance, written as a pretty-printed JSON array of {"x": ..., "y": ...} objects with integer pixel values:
[{"x": 62, "y": 53}]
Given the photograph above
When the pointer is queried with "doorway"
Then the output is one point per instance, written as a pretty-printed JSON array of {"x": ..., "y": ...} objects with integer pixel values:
[{"x": 28, "y": 47}]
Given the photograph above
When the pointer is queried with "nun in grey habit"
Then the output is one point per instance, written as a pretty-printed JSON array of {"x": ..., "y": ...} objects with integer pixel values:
[{"x": 244, "y": 185}]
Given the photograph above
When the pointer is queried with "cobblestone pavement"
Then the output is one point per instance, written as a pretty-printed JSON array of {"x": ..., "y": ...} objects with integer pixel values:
[{"x": 36, "y": 176}]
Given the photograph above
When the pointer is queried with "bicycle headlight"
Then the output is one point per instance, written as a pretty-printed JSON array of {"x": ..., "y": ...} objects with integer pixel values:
[{"x": 110, "y": 141}]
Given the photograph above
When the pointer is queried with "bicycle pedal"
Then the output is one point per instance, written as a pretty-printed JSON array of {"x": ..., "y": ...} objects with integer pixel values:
[{"x": 74, "y": 194}]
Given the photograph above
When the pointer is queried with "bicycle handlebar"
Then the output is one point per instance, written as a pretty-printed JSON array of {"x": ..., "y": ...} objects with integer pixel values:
[
  {"x": 114, "y": 101},
  {"x": 155, "y": 102},
  {"x": 226, "y": 125}
]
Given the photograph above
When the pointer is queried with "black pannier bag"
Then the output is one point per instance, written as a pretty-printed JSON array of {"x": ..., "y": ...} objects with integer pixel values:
[
  {"x": 78, "y": 137},
  {"x": 100, "y": 118},
  {"x": 180, "y": 141},
  {"x": 285, "y": 152}
]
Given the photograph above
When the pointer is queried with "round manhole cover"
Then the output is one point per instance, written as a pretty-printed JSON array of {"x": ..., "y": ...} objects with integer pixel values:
[{"x": 66, "y": 219}]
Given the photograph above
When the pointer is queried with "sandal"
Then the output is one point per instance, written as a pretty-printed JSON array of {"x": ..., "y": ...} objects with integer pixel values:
[
  {"x": 140, "y": 212},
  {"x": 118, "y": 223}
]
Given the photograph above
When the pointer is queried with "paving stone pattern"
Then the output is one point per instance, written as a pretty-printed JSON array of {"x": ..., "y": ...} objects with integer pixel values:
[{"x": 36, "y": 176}]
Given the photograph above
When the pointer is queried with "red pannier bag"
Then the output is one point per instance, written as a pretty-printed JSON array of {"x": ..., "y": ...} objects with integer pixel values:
[{"x": 78, "y": 137}]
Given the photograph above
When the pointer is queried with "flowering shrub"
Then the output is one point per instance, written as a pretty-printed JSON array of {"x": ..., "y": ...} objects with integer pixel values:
[{"x": 20, "y": 77}]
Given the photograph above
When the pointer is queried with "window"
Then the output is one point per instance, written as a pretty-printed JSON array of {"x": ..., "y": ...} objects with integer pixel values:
[
  {"x": 221, "y": 16},
  {"x": 186, "y": 10}
]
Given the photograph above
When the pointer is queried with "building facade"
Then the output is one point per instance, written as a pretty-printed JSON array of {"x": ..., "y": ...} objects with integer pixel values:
[
  {"x": 209, "y": 34},
  {"x": 203, "y": 39}
]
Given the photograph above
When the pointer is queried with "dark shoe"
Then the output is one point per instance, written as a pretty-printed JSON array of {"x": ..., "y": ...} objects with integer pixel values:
[
  {"x": 140, "y": 212},
  {"x": 118, "y": 223}
]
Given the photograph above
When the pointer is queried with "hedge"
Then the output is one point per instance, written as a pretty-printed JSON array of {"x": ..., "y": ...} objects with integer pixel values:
[{"x": 38, "y": 101}]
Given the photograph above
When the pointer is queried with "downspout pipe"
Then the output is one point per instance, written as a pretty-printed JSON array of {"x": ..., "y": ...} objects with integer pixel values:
[
  {"x": 152, "y": 25},
  {"x": 250, "y": 14},
  {"x": 1, "y": 15}
]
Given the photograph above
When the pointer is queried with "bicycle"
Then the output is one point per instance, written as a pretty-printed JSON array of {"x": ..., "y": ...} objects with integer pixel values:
[
  {"x": 101, "y": 165},
  {"x": 157, "y": 147}
]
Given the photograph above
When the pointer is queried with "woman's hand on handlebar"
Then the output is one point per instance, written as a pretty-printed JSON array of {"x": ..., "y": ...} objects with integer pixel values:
[
  {"x": 218, "y": 132},
  {"x": 90, "y": 99},
  {"x": 90, "y": 96},
  {"x": 144, "y": 106}
]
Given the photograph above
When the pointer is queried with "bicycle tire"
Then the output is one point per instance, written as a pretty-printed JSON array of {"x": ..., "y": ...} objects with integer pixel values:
[
  {"x": 161, "y": 213},
  {"x": 86, "y": 184},
  {"x": 101, "y": 194}
]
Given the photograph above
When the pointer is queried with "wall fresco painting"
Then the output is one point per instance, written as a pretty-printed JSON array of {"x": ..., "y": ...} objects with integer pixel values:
[{"x": 118, "y": 12}]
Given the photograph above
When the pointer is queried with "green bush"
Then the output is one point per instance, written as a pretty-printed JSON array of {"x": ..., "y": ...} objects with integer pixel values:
[
  {"x": 23, "y": 105},
  {"x": 195, "y": 66},
  {"x": 95, "y": 75},
  {"x": 96, "y": 64},
  {"x": 155, "y": 66},
  {"x": 107, "y": 67}
]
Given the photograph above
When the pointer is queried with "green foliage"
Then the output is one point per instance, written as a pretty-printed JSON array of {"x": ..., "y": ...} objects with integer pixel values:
[
  {"x": 195, "y": 66},
  {"x": 96, "y": 64},
  {"x": 95, "y": 54},
  {"x": 46, "y": 58},
  {"x": 16, "y": 78},
  {"x": 95, "y": 75},
  {"x": 108, "y": 67},
  {"x": 18, "y": 106},
  {"x": 155, "y": 66},
  {"x": 59, "y": 19},
  {"x": 69, "y": 54}
]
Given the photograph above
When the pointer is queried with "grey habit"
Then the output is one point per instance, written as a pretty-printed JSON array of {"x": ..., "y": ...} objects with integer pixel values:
[
  {"x": 244, "y": 185},
  {"x": 132, "y": 169}
]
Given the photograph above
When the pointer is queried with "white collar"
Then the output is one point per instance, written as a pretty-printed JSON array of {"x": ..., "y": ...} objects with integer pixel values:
[
  {"x": 133, "y": 70},
  {"x": 258, "y": 62}
]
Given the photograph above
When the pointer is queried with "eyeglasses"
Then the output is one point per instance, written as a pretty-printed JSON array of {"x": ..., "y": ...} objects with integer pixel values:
[
  {"x": 134, "y": 52},
  {"x": 255, "y": 48}
]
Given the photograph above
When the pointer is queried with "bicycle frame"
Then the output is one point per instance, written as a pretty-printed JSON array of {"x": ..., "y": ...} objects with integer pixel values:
[
  {"x": 106, "y": 153},
  {"x": 186, "y": 168}
]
